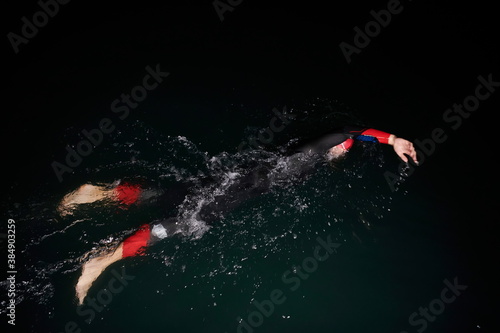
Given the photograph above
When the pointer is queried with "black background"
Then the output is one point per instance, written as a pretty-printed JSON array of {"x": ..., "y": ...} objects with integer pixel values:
[{"x": 263, "y": 54}]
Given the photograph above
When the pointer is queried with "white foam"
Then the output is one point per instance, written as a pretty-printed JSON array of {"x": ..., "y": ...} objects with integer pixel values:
[{"x": 159, "y": 231}]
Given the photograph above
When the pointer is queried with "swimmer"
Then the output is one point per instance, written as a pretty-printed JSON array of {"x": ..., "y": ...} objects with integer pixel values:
[{"x": 255, "y": 182}]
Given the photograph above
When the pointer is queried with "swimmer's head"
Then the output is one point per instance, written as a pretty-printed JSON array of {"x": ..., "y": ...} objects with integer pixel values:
[{"x": 340, "y": 150}]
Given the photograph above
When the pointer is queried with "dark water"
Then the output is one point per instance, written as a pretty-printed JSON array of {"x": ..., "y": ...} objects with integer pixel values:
[{"x": 393, "y": 250}]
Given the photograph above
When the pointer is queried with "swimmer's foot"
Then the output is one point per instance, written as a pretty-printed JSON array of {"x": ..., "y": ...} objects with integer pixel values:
[
  {"x": 92, "y": 269},
  {"x": 84, "y": 194}
]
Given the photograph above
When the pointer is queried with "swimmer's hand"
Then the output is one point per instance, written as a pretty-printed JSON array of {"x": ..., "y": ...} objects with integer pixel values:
[{"x": 402, "y": 148}]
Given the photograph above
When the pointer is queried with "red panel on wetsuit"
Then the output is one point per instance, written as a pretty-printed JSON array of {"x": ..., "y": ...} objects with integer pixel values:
[
  {"x": 347, "y": 144},
  {"x": 382, "y": 137},
  {"x": 128, "y": 193},
  {"x": 134, "y": 245}
]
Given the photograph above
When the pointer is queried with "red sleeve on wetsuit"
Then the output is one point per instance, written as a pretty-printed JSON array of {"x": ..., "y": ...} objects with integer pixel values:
[
  {"x": 347, "y": 144},
  {"x": 128, "y": 193},
  {"x": 135, "y": 244},
  {"x": 382, "y": 137}
]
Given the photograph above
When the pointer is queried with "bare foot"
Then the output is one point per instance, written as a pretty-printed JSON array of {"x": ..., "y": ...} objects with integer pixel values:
[
  {"x": 84, "y": 194},
  {"x": 93, "y": 268}
]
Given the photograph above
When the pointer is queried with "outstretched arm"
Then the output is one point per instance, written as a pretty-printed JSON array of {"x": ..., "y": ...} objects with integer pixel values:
[
  {"x": 401, "y": 146},
  {"x": 340, "y": 140}
]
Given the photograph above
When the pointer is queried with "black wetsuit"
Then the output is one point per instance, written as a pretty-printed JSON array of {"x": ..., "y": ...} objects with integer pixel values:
[{"x": 258, "y": 180}]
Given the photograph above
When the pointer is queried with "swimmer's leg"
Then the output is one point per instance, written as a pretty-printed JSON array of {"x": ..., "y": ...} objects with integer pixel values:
[
  {"x": 125, "y": 194},
  {"x": 132, "y": 246}
]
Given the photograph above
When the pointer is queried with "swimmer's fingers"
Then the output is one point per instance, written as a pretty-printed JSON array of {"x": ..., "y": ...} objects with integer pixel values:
[
  {"x": 410, "y": 151},
  {"x": 413, "y": 154},
  {"x": 404, "y": 147},
  {"x": 403, "y": 157}
]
